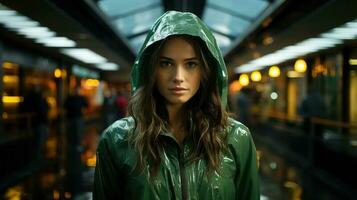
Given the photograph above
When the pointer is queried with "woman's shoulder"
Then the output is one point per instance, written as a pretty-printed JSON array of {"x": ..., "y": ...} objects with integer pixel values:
[
  {"x": 240, "y": 141},
  {"x": 113, "y": 145},
  {"x": 119, "y": 130},
  {"x": 237, "y": 129}
]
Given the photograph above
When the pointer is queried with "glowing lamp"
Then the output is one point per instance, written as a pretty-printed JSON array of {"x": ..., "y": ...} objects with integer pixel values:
[
  {"x": 274, "y": 71},
  {"x": 256, "y": 76},
  {"x": 58, "y": 73},
  {"x": 244, "y": 79},
  {"x": 300, "y": 66}
]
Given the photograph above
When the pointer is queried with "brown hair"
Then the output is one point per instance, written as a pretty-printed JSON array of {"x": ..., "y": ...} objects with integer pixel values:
[{"x": 206, "y": 117}]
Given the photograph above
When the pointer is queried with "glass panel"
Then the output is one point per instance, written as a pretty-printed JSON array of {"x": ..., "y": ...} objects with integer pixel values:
[
  {"x": 249, "y": 8},
  {"x": 224, "y": 23},
  {"x": 296, "y": 90},
  {"x": 139, "y": 22},
  {"x": 327, "y": 81},
  {"x": 114, "y": 7},
  {"x": 353, "y": 95},
  {"x": 137, "y": 42},
  {"x": 353, "y": 91},
  {"x": 223, "y": 41}
]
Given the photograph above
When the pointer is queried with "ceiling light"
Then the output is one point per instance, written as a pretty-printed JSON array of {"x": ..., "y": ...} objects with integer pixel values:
[
  {"x": 342, "y": 36},
  {"x": 36, "y": 32},
  {"x": 351, "y": 24},
  {"x": 289, "y": 52},
  {"x": 108, "y": 66},
  {"x": 247, "y": 68},
  {"x": 84, "y": 55},
  {"x": 8, "y": 18},
  {"x": 20, "y": 24},
  {"x": 5, "y": 13},
  {"x": 343, "y": 33},
  {"x": 318, "y": 43},
  {"x": 56, "y": 42}
]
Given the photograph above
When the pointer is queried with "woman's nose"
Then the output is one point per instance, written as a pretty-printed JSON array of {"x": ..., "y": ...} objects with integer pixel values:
[{"x": 179, "y": 74}]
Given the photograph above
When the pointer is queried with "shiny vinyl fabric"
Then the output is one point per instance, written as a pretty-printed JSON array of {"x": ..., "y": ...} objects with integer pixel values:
[{"x": 176, "y": 179}]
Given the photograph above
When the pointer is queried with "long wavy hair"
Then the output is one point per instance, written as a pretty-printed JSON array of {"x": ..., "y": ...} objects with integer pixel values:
[{"x": 205, "y": 120}]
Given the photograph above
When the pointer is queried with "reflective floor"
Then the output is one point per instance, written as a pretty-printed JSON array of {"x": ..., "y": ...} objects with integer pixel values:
[{"x": 283, "y": 175}]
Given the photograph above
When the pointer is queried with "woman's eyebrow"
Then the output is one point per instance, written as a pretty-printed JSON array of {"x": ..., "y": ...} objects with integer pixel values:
[
  {"x": 193, "y": 58},
  {"x": 165, "y": 58},
  {"x": 187, "y": 59}
]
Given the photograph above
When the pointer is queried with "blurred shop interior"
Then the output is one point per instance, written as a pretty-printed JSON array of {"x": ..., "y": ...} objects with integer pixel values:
[{"x": 65, "y": 67}]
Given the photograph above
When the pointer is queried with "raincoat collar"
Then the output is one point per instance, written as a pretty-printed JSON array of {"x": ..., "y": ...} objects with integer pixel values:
[{"x": 182, "y": 23}]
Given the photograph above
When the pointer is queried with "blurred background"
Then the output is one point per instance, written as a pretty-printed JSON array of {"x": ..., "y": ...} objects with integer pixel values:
[{"x": 65, "y": 68}]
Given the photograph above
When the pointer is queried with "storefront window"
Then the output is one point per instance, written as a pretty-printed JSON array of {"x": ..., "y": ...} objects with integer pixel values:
[
  {"x": 353, "y": 89},
  {"x": 327, "y": 80},
  {"x": 18, "y": 81}
]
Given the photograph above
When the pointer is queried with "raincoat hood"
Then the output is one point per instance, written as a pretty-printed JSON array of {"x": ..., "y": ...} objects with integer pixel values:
[{"x": 182, "y": 23}]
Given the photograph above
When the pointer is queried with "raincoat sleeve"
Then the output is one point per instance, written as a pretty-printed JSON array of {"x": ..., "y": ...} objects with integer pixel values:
[
  {"x": 243, "y": 148},
  {"x": 108, "y": 179}
]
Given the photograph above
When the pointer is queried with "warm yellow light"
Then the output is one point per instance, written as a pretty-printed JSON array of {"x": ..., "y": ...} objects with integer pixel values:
[
  {"x": 235, "y": 86},
  {"x": 64, "y": 73},
  {"x": 92, "y": 161},
  {"x": 12, "y": 99},
  {"x": 294, "y": 74},
  {"x": 8, "y": 65},
  {"x": 10, "y": 79},
  {"x": 58, "y": 73},
  {"x": 274, "y": 71},
  {"x": 14, "y": 193},
  {"x": 51, "y": 100},
  {"x": 353, "y": 61},
  {"x": 56, "y": 195},
  {"x": 92, "y": 83},
  {"x": 256, "y": 76},
  {"x": 300, "y": 66},
  {"x": 244, "y": 79}
]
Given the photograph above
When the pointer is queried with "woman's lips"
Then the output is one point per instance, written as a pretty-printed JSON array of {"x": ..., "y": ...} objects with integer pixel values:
[{"x": 178, "y": 90}]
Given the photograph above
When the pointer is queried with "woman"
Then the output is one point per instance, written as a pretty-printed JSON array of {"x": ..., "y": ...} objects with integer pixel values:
[{"x": 178, "y": 142}]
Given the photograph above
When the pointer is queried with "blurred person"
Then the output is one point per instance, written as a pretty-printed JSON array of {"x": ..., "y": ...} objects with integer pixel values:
[
  {"x": 36, "y": 105},
  {"x": 178, "y": 141},
  {"x": 244, "y": 106},
  {"x": 313, "y": 105},
  {"x": 109, "y": 109},
  {"x": 121, "y": 103},
  {"x": 75, "y": 106}
]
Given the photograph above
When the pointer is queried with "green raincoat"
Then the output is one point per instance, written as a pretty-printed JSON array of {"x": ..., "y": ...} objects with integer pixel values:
[{"x": 237, "y": 177}]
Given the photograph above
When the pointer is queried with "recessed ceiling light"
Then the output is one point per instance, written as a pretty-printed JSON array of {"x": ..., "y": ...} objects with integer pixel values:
[
  {"x": 108, "y": 66},
  {"x": 36, "y": 32},
  {"x": 56, "y": 42},
  {"x": 84, "y": 55}
]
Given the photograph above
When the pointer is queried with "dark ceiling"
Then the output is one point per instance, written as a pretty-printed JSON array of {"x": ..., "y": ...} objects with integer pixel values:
[{"x": 84, "y": 22}]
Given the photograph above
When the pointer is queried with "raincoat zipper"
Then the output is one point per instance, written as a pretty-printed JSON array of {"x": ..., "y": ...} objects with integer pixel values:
[{"x": 182, "y": 175}]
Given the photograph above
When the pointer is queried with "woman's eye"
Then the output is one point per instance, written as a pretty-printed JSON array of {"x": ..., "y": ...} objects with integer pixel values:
[
  {"x": 192, "y": 64},
  {"x": 165, "y": 64}
]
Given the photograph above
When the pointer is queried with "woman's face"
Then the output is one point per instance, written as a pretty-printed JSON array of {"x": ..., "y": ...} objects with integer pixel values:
[{"x": 178, "y": 72}]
